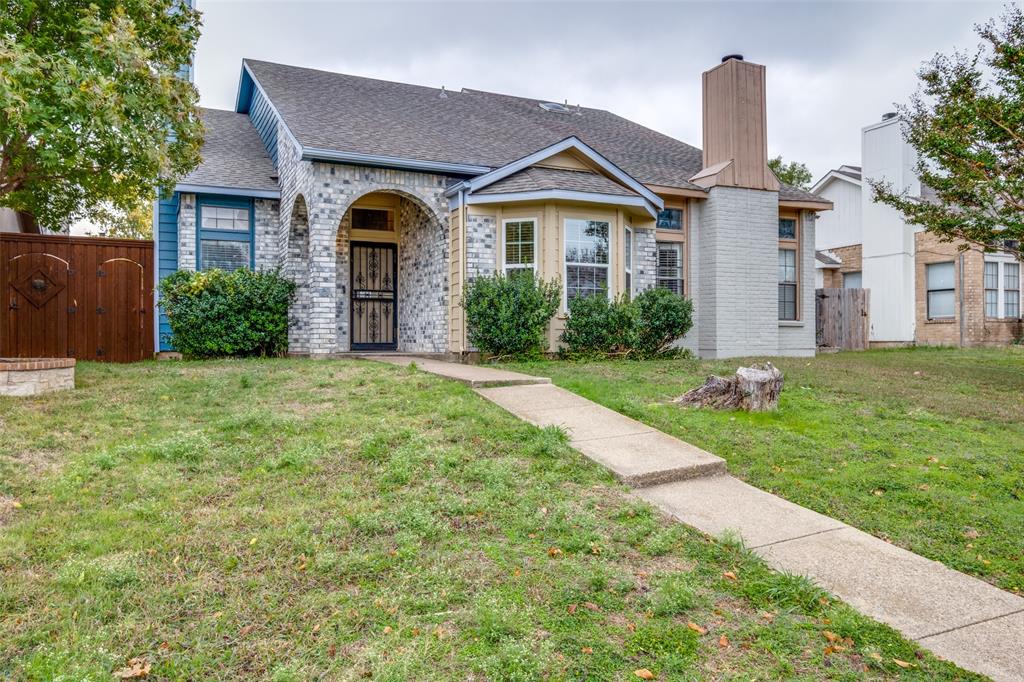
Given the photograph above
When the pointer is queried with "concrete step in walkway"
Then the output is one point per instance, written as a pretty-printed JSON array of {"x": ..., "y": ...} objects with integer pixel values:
[
  {"x": 957, "y": 617},
  {"x": 634, "y": 452},
  {"x": 474, "y": 376}
]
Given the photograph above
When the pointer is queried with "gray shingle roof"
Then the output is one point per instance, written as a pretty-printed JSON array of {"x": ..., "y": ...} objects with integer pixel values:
[
  {"x": 826, "y": 258},
  {"x": 352, "y": 114},
  {"x": 536, "y": 178},
  {"x": 233, "y": 154}
]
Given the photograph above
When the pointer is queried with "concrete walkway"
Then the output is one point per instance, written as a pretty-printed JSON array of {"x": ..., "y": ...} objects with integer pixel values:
[{"x": 965, "y": 620}]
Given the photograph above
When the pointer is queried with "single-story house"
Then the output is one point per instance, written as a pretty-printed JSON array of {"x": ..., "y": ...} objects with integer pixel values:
[{"x": 383, "y": 200}]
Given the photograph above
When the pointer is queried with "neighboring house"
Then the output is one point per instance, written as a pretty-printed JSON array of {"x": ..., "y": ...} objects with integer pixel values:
[
  {"x": 922, "y": 291},
  {"x": 13, "y": 221},
  {"x": 383, "y": 200}
]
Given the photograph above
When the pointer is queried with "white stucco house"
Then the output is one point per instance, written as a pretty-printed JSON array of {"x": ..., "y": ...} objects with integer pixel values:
[{"x": 383, "y": 200}]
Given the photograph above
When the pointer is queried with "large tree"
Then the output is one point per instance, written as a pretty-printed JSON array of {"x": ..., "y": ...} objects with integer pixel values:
[
  {"x": 93, "y": 116},
  {"x": 966, "y": 122},
  {"x": 793, "y": 173}
]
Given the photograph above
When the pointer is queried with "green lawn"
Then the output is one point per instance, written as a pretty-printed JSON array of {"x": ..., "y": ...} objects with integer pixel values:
[
  {"x": 922, "y": 447},
  {"x": 296, "y": 520}
]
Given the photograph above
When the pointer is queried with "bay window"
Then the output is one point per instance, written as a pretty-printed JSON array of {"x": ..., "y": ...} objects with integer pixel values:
[{"x": 586, "y": 258}]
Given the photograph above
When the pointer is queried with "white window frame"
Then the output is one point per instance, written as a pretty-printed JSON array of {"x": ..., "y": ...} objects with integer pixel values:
[
  {"x": 794, "y": 283},
  {"x": 627, "y": 265},
  {"x": 505, "y": 266},
  {"x": 928, "y": 292},
  {"x": 1001, "y": 263},
  {"x": 566, "y": 262}
]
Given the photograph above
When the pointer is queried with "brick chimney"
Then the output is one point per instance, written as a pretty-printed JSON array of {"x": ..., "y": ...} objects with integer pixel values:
[{"x": 735, "y": 127}]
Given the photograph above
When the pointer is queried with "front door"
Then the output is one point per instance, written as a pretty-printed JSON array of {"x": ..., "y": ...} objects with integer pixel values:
[{"x": 374, "y": 303}]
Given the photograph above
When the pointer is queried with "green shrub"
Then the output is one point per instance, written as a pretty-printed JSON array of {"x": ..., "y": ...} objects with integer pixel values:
[
  {"x": 508, "y": 316},
  {"x": 641, "y": 328},
  {"x": 598, "y": 326},
  {"x": 661, "y": 318},
  {"x": 216, "y": 313}
]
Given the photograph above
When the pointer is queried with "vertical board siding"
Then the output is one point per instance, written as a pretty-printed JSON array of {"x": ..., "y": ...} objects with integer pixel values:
[
  {"x": 94, "y": 299},
  {"x": 167, "y": 255},
  {"x": 264, "y": 120}
]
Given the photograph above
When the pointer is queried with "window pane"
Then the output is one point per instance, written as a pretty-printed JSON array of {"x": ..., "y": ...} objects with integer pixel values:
[
  {"x": 940, "y": 304},
  {"x": 586, "y": 241},
  {"x": 519, "y": 247},
  {"x": 991, "y": 275},
  {"x": 224, "y": 255},
  {"x": 1011, "y": 306},
  {"x": 223, "y": 218},
  {"x": 670, "y": 219},
  {"x": 991, "y": 302},
  {"x": 371, "y": 219},
  {"x": 787, "y": 301},
  {"x": 628, "y": 245},
  {"x": 852, "y": 280},
  {"x": 787, "y": 228},
  {"x": 585, "y": 280},
  {"x": 1011, "y": 276},
  {"x": 787, "y": 265},
  {"x": 940, "y": 275}
]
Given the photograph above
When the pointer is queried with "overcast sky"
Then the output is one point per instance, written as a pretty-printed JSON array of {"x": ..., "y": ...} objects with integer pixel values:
[{"x": 832, "y": 67}]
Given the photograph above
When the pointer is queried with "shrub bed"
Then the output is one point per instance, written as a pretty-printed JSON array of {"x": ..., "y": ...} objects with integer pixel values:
[
  {"x": 644, "y": 327},
  {"x": 216, "y": 313},
  {"x": 508, "y": 316}
]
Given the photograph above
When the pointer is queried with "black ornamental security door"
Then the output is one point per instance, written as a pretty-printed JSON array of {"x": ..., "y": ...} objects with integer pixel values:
[{"x": 374, "y": 298}]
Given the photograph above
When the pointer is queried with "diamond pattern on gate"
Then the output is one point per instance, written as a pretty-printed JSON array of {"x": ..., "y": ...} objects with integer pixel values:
[{"x": 38, "y": 288}]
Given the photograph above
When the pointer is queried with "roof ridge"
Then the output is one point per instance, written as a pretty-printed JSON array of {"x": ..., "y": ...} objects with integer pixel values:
[{"x": 249, "y": 60}]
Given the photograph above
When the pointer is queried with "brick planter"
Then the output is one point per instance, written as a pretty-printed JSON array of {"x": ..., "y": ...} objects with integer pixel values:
[{"x": 29, "y": 376}]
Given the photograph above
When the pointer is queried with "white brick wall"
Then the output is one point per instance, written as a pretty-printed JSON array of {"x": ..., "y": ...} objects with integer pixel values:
[
  {"x": 187, "y": 232},
  {"x": 736, "y": 293}
]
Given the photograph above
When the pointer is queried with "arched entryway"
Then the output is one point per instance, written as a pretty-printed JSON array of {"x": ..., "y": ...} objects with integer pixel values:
[
  {"x": 297, "y": 270},
  {"x": 391, "y": 277}
]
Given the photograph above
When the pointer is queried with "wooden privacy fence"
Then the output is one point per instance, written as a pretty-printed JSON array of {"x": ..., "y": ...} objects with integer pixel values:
[
  {"x": 842, "y": 318},
  {"x": 78, "y": 297}
]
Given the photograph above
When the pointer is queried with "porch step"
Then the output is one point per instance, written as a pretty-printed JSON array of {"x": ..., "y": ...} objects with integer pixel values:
[{"x": 635, "y": 453}]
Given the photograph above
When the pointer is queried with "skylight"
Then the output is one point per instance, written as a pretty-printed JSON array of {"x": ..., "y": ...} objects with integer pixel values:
[{"x": 554, "y": 106}]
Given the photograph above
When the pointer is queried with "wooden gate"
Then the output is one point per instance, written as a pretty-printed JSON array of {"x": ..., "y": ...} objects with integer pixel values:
[
  {"x": 80, "y": 297},
  {"x": 842, "y": 318}
]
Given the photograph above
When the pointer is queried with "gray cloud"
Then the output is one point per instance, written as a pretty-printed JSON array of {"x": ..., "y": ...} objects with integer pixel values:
[{"x": 832, "y": 67}]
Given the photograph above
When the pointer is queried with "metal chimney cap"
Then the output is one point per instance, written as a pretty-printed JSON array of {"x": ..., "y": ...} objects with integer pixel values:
[
  {"x": 888, "y": 115},
  {"x": 737, "y": 57}
]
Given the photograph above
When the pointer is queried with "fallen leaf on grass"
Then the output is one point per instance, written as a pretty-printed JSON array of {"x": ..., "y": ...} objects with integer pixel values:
[
  {"x": 644, "y": 674},
  {"x": 830, "y": 636},
  {"x": 387, "y": 629},
  {"x": 587, "y": 649},
  {"x": 591, "y": 606},
  {"x": 572, "y": 609},
  {"x": 246, "y": 630},
  {"x": 730, "y": 575},
  {"x": 696, "y": 628},
  {"x": 903, "y": 664},
  {"x": 554, "y": 551},
  {"x": 723, "y": 642},
  {"x": 972, "y": 534},
  {"x": 137, "y": 668}
]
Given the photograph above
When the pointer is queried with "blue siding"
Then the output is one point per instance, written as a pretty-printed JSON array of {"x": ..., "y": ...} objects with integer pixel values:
[
  {"x": 265, "y": 121},
  {"x": 167, "y": 255}
]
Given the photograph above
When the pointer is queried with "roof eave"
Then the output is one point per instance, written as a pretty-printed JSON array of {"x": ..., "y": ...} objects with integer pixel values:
[
  {"x": 319, "y": 154},
  {"x": 565, "y": 195},
  {"x": 822, "y": 205},
  {"x": 571, "y": 142},
  {"x": 197, "y": 188}
]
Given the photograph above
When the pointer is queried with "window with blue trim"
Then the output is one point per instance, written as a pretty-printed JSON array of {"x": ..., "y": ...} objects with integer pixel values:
[{"x": 225, "y": 234}]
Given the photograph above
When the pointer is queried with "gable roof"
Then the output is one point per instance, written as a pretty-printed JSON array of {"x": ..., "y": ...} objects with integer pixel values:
[
  {"x": 851, "y": 174},
  {"x": 538, "y": 178},
  {"x": 338, "y": 117},
  {"x": 233, "y": 158},
  {"x": 332, "y": 111}
]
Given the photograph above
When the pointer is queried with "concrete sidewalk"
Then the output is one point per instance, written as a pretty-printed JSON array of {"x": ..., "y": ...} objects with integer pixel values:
[{"x": 957, "y": 617}]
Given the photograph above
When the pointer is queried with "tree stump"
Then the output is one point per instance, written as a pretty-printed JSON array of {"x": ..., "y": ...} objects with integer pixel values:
[{"x": 754, "y": 389}]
